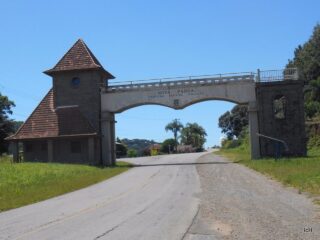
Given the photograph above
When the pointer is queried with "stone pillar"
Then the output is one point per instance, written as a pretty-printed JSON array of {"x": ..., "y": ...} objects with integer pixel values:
[
  {"x": 291, "y": 128},
  {"x": 50, "y": 150},
  {"x": 107, "y": 138},
  {"x": 15, "y": 151},
  {"x": 91, "y": 150},
  {"x": 113, "y": 143},
  {"x": 253, "y": 130}
]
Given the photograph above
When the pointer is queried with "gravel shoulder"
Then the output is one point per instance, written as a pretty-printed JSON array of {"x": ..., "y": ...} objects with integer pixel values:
[{"x": 239, "y": 203}]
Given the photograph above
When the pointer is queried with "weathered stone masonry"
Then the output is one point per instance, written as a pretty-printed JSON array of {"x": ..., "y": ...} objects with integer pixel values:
[{"x": 291, "y": 128}]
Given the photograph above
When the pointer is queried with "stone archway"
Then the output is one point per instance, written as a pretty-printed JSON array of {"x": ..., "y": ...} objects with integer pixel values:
[{"x": 176, "y": 95}]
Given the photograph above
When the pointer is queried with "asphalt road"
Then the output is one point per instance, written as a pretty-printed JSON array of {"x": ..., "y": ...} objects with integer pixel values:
[
  {"x": 187, "y": 196},
  {"x": 147, "y": 202}
]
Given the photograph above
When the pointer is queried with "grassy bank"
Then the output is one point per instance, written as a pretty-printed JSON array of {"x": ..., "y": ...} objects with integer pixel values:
[
  {"x": 301, "y": 173},
  {"x": 25, "y": 183}
]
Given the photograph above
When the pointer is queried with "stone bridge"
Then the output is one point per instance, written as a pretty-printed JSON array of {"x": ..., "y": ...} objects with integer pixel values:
[{"x": 178, "y": 93}]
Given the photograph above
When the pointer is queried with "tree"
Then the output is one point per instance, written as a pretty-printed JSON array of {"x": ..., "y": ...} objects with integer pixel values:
[
  {"x": 193, "y": 134},
  {"x": 307, "y": 57},
  {"x": 17, "y": 125},
  {"x": 307, "y": 60},
  {"x": 6, "y": 124},
  {"x": 311, "y": 108},
  {"x": 233, "y": 122},
  {"x": 175, "y": 126},
  {"x": 132, "y": 153},
  {"x": 312, "y": 98},
  {"x": 168, "y": 145}
]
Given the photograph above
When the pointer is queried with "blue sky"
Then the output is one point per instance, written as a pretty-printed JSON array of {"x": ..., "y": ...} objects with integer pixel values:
[{"x": 144, "y": 39}]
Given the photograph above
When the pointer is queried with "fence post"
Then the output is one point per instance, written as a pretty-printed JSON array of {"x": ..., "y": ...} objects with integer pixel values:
[{"x": 258, "y": 75}]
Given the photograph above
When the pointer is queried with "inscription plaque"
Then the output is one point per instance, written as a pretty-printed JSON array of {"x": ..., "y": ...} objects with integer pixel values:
[{"x": 173, "y": 93}]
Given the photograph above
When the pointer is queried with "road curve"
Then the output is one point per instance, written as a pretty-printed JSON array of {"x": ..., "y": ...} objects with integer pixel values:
[{"x": 154, "y": 201}]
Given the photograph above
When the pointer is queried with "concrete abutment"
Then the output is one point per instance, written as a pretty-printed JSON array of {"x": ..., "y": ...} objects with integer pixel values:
[
  {"x": 108, "y": 151},
  {"x": 253, "y": 130}
]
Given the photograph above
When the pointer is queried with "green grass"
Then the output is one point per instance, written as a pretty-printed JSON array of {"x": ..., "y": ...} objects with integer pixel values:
[
  {"x": 26, "y": 183},
  {"x": 302, "y": 173},
  {"x": 5, "y": 159}
]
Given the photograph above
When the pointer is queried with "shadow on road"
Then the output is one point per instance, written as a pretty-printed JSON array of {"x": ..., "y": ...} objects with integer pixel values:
[{"x": 179, "y": 164}]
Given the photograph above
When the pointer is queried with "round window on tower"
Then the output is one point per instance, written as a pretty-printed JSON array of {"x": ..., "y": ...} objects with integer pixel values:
[{"x": 75, "y": 82}]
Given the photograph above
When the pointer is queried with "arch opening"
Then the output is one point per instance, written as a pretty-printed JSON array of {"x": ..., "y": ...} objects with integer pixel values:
[
  {"x": 148, "y": 121},
  {"x": 178, "y": 107}
]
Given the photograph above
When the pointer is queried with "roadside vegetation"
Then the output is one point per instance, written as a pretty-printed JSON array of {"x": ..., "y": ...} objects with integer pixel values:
[
  {"x": 25, "y": 183},
  {"x": 186, "y": 138},
  {"x": 302, "y": 173}
]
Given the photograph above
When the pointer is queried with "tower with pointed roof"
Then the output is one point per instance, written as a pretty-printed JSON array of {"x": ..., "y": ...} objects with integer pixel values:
[
  {"x": 77, "y": 79},
  {"x": 65, "y": 126}
]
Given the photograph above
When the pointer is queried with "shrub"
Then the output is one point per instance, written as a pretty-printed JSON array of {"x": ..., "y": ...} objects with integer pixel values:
[
  {"x": 314, "y": 141},
  {"x": 168, "y": 145},
  {"x": 242, "y": 141},
  {"x": 230, "y": 143},
  {"x": 132, "y": 152}
]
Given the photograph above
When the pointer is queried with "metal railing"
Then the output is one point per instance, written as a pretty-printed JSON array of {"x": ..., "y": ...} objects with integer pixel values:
[
  {"x": 259, "y": 76},
  {"x": 182, "y": 81},
  {"x": 277, "y": 145},
  {"x": 277, "y": 75}
]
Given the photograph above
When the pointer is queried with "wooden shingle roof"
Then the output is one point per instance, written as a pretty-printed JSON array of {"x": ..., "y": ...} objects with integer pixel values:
[
  {"x": 79, "y": 57},
  {"x": 48, "y": 122}
]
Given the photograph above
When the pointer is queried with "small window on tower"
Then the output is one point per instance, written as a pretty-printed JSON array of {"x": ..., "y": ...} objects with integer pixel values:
[
  {"x": 75, "y": 82},
  {"x": 279, "y": 107}
]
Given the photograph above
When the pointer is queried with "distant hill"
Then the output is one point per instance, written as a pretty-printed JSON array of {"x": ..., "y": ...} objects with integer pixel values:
[{"x": 138, "y": 144}]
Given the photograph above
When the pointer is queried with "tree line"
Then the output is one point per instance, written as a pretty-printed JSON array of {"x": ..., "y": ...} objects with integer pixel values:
[
  {"x": 7, "y": 125},
  {"x": 188, "y": 138},
  {"x": 190, "y": 135}
]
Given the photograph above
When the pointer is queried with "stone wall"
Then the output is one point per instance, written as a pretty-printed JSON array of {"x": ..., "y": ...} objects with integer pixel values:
[
  {"x": 290, "y": 127},
  {"x": 86, "y": 95},
  {"x": 62, "y": 151},
  {"x": 37, "y": 151}
]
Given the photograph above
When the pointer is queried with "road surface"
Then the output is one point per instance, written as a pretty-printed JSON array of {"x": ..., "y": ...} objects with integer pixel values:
[{"x": 187, "y": 196}]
